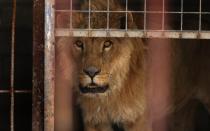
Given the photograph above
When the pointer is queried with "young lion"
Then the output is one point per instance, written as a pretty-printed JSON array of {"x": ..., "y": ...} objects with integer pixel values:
[{"x": 112, "y": 74}]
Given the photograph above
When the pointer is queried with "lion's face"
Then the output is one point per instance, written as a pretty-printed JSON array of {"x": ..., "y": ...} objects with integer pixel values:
[{"x": 103, "y": 64}]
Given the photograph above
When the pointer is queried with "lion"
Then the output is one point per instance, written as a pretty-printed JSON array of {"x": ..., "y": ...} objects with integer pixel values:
[
  {"x": 112, "y": 73},
  {"x": 110, "y": 69}
]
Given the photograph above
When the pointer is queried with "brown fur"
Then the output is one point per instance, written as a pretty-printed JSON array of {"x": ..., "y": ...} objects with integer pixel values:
[{"x": 191, "y": 80}]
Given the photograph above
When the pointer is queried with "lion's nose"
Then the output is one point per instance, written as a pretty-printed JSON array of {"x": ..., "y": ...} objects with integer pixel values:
[{"x": 91, "y": 71}]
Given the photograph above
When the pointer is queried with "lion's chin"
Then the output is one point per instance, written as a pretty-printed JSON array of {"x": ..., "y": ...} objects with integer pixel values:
[{"x": 93, "y": 88}]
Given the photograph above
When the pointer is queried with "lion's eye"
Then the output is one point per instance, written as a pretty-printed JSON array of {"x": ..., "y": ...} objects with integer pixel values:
[
  {"x": 107, "y": 45},
  {"x": 79, "y": 44}
]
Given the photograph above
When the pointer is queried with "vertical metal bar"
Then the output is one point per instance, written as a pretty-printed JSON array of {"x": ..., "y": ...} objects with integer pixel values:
[
  {"x": 108, "y": 11},
  {"x": 163, "y": 15},
  {"x": 12, "y": 66},
  {"x": 89, "y": 15},
  {"x": 126, "y": 17},
  {"x": 71, "y": 9},
  {"x": 200, "y": 11},
  {"x": 38, "y": 66},
  {"x": 145, "y": 14},
  {"x": 108, "y": 14},
  {"x": 181, "y": 15},
  {"x": 49, "y": 77}
]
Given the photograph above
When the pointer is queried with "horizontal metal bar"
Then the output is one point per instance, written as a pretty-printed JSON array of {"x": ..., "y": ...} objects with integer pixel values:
[
  {"x": 124, "y": 11},
  {"x": 4, "y": 91},
  {"x": 23, "y": 91},
  {"x": 133, "y": 33},
  {"x": 16, "y": 91}
]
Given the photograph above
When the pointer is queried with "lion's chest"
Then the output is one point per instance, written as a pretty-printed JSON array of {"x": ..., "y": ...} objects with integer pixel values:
[{"x": 99, "y": 113}]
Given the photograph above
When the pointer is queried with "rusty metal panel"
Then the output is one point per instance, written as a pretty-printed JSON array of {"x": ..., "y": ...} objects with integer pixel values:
[
  {"x": 38, "y": 66},
  {"x": 49, "y": 72},
  {"x": 43, "y": 65}
]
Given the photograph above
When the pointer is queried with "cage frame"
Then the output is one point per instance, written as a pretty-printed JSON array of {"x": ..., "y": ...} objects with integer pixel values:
[
  {"x": 44, "y": 47},
  {"x": 141, "y": 33}
]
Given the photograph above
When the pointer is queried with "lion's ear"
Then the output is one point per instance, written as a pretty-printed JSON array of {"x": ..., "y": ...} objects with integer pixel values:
[{"x": 130, "y": 21}]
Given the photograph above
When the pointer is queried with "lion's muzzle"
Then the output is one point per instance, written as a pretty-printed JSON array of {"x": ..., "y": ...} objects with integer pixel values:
[
  {"x": 93, "y": 88},
  {"x": 93, "y": 81}
]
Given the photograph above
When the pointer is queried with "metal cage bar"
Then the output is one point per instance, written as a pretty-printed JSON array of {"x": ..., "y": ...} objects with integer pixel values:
[
  {"x": 200, "y": 12},
  {"x": 49, "y": 66},
  {"x": 145, "y": 14},
  {"x": 134, "y": 33},
  {"x": 163, "y": 17},
  {"x": 181, "y": 15},
  {"x": 12, "y": 67},
  {"x": 147, "y": 11},
  {"x": 38, "y": 66},
  {"x": 148, "y": 33}
]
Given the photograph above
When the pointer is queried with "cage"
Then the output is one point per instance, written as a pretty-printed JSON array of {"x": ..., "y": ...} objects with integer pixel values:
[
  {"x": 155, "y": 19},
  {"x": 171, "y": 18},
  {"x": 28, "y": 43}
]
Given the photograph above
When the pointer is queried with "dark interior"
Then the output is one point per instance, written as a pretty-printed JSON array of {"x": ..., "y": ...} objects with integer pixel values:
[{"x": 23, "y": 64}]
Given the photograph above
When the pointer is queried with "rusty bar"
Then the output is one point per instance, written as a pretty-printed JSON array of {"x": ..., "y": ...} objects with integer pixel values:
[
  {"x": 49, "y": 77},
  {"x": 13, "y": 31},
  {"x": 38, "y": 66}
]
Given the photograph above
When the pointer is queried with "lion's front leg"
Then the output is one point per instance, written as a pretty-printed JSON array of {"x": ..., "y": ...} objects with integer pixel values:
[{"x": 99, "y": 127}]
